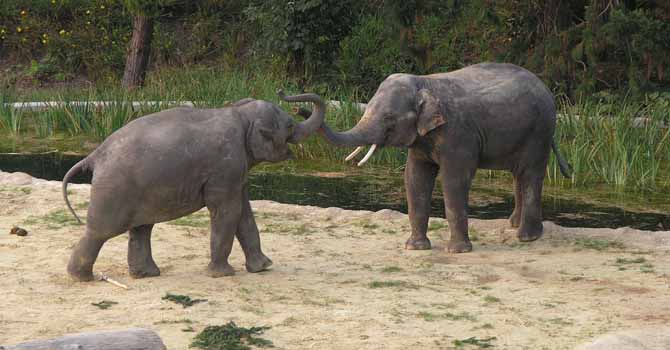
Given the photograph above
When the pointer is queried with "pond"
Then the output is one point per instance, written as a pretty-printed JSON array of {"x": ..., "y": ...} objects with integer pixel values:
[{"x": 489, "y": 199}]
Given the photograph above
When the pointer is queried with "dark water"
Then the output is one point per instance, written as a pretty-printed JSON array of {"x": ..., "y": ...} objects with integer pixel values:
[{"x": 366, "y": 193}]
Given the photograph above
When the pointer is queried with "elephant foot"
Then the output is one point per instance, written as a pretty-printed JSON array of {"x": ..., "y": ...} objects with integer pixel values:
[
  {"x": 220, "y": 270},
  {"x": 417, "y": 244},
  {"x": 79, "y": 273},
  {"x": 459, "y": 246},
  {"x": 148, "y": 270},
  {"x": 258, "y": 263},
  {"x": 526, "y": 234}
]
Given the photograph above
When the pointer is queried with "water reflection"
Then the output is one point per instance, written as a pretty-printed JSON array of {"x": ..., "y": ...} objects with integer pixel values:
[{"x": 366, "y": 193}]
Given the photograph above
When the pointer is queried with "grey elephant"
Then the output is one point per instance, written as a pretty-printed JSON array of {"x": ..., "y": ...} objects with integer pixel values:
[
  {"x": 488, "y": 116},
  {"x": 172, "y": 163}
]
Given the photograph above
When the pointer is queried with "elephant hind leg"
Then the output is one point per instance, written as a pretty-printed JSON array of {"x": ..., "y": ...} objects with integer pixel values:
[
  {"x": 83, "y": 257},
  {"x": 140, "y": 262},
  {"x": 531, "y": 212},
  {"x": 515, "y": 218}
]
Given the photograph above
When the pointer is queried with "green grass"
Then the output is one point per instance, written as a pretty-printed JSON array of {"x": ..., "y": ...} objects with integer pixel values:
[
  {"x": 54, "y": 220},
  {"x": 183, "y": 320},
  {"x": 598, "y": 244},
  {"x": 461, "y": 316},
  {"x": 392, "y": 284},
  {"x": 193, "y": 220},
  {"x": 391, "y": 269},
  {"x": 489, "y": 299}
]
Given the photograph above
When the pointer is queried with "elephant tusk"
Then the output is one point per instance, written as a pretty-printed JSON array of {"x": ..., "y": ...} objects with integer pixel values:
[
  {"x": 368, "y": 155},
  {"x": 354, "y": 153}
]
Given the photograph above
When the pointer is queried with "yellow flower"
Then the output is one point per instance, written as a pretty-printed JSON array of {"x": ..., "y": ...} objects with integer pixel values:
[
  {"x": 102, "y": 7},
  {"x": 23, "y": 12},
  {"x": 2, "y": 31},
  {"x": 88, "y": 12},
  {"x": 62, "y": 32},
  {"x": 19, "y": 29},
  {"x": 44, "y": 35},
  {"x": 44, "y": 41},
  {"x": 53, "y": 2}
]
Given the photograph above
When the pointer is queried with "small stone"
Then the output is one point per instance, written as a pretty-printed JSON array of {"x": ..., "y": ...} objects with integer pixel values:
[{"x": 18, "y": 231}]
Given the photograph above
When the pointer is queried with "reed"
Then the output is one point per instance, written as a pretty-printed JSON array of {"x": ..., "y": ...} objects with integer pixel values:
[{"x": 595, "y": 137}]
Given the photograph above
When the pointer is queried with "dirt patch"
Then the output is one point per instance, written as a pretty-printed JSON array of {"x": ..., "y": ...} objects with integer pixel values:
[{"x": 341, "y": 280}]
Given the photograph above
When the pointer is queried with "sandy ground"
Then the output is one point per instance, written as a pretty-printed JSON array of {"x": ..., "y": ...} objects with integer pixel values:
[{"x": 341, "y": 280}]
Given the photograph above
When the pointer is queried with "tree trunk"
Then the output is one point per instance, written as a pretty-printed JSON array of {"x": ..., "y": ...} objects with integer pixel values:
[
  {"x": 127, "y": 339},
  {"x": 138, "y": 53}
]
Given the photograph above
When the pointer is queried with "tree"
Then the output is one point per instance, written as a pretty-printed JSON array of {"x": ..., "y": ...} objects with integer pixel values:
[{"x": 137, "y": 59}]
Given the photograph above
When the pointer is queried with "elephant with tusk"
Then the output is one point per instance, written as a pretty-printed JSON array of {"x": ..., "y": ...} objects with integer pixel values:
[
  {"x": 485, "y": 116},
  {"x": 172, "y": 163}
]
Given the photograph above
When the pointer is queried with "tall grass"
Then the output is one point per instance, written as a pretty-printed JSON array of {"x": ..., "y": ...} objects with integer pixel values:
[
  {"x": 604, "y": 146},
  {"x": 596, "y": 138},
  {"x": 10, "y": 118}
]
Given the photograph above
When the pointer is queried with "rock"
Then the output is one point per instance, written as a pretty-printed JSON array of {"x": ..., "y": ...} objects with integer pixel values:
[
  {"x": 388, "y": 214},
  {"x": 17, "y": 179},
  {"x": 18, "y": 231},
  {"x": 650, "y": 338}
]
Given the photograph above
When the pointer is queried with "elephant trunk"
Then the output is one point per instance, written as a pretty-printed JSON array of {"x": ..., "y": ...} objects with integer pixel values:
[
  {"x": 313, "y": 121},
  {"x": 360, "y": 135}
]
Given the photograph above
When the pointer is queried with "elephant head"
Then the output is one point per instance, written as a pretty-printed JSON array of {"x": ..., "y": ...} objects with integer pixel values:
[
  {"x": 399, "y": 112},
  {"x": 271, "y": 129}
]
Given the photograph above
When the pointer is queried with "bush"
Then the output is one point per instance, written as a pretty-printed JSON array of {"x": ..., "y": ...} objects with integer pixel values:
[{"x": 371, "y": 53}]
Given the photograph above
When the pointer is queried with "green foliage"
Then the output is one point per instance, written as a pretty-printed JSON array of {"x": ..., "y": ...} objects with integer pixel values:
[
  {"x": 371, "y": 53},
  {"x": 307, "y": 31},
  {"x": 483, "y": 343},
  {"x": 105, "y": 304},
  {"x": 230, "y": 337},
  {"x": 183, "y": 300}
]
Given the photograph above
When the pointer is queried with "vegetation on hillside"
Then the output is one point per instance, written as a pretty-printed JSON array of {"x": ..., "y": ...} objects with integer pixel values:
[{"x": 576, "y": 46}]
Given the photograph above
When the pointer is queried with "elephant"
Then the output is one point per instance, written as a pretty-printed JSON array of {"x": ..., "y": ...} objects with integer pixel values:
[
  {"x": 172, "y": 163},
  {"x": 484, "y": 116}
]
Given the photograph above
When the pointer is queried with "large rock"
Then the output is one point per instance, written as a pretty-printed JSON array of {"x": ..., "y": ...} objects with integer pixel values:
[{"x": 652, "y": 338}]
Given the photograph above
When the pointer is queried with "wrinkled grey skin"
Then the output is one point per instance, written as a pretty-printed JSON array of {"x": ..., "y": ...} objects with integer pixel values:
[
  {"x": 487, "y": 116},
  {"x": 172, "y": 163}
]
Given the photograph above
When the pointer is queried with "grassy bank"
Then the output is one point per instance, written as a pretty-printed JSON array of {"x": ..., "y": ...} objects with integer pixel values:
[{"x": 595, "y": 137}]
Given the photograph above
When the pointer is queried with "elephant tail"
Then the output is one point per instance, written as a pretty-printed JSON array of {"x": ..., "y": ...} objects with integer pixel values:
[
  {"x": 563, "y": 165},
  {"x": 77, "y": 168}
]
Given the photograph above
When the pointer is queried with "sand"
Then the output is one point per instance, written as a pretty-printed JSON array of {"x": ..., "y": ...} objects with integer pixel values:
[{"x": 340, "y": 280}]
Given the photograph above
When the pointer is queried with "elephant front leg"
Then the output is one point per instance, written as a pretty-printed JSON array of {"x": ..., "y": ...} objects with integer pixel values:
[
  {"x": 456, "y": 186},
  {"x": 140, "y": 262},
  {"x": 419, "y": 184},
  {"x": 250, "y": 240},
  {"x": 225, "y": 220}
]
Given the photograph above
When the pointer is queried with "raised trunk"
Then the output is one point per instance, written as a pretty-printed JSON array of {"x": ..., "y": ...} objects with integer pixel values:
[
  {"x": 138, "y": 53},
  {"x": 359, "y": 135},
  {"x": 314, "y": 119}
]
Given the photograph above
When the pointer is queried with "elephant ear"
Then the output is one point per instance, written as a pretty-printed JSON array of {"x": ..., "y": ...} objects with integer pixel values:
[
  {"x": 429, "y": 112},
  {"x": 260, "y": 141}
]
